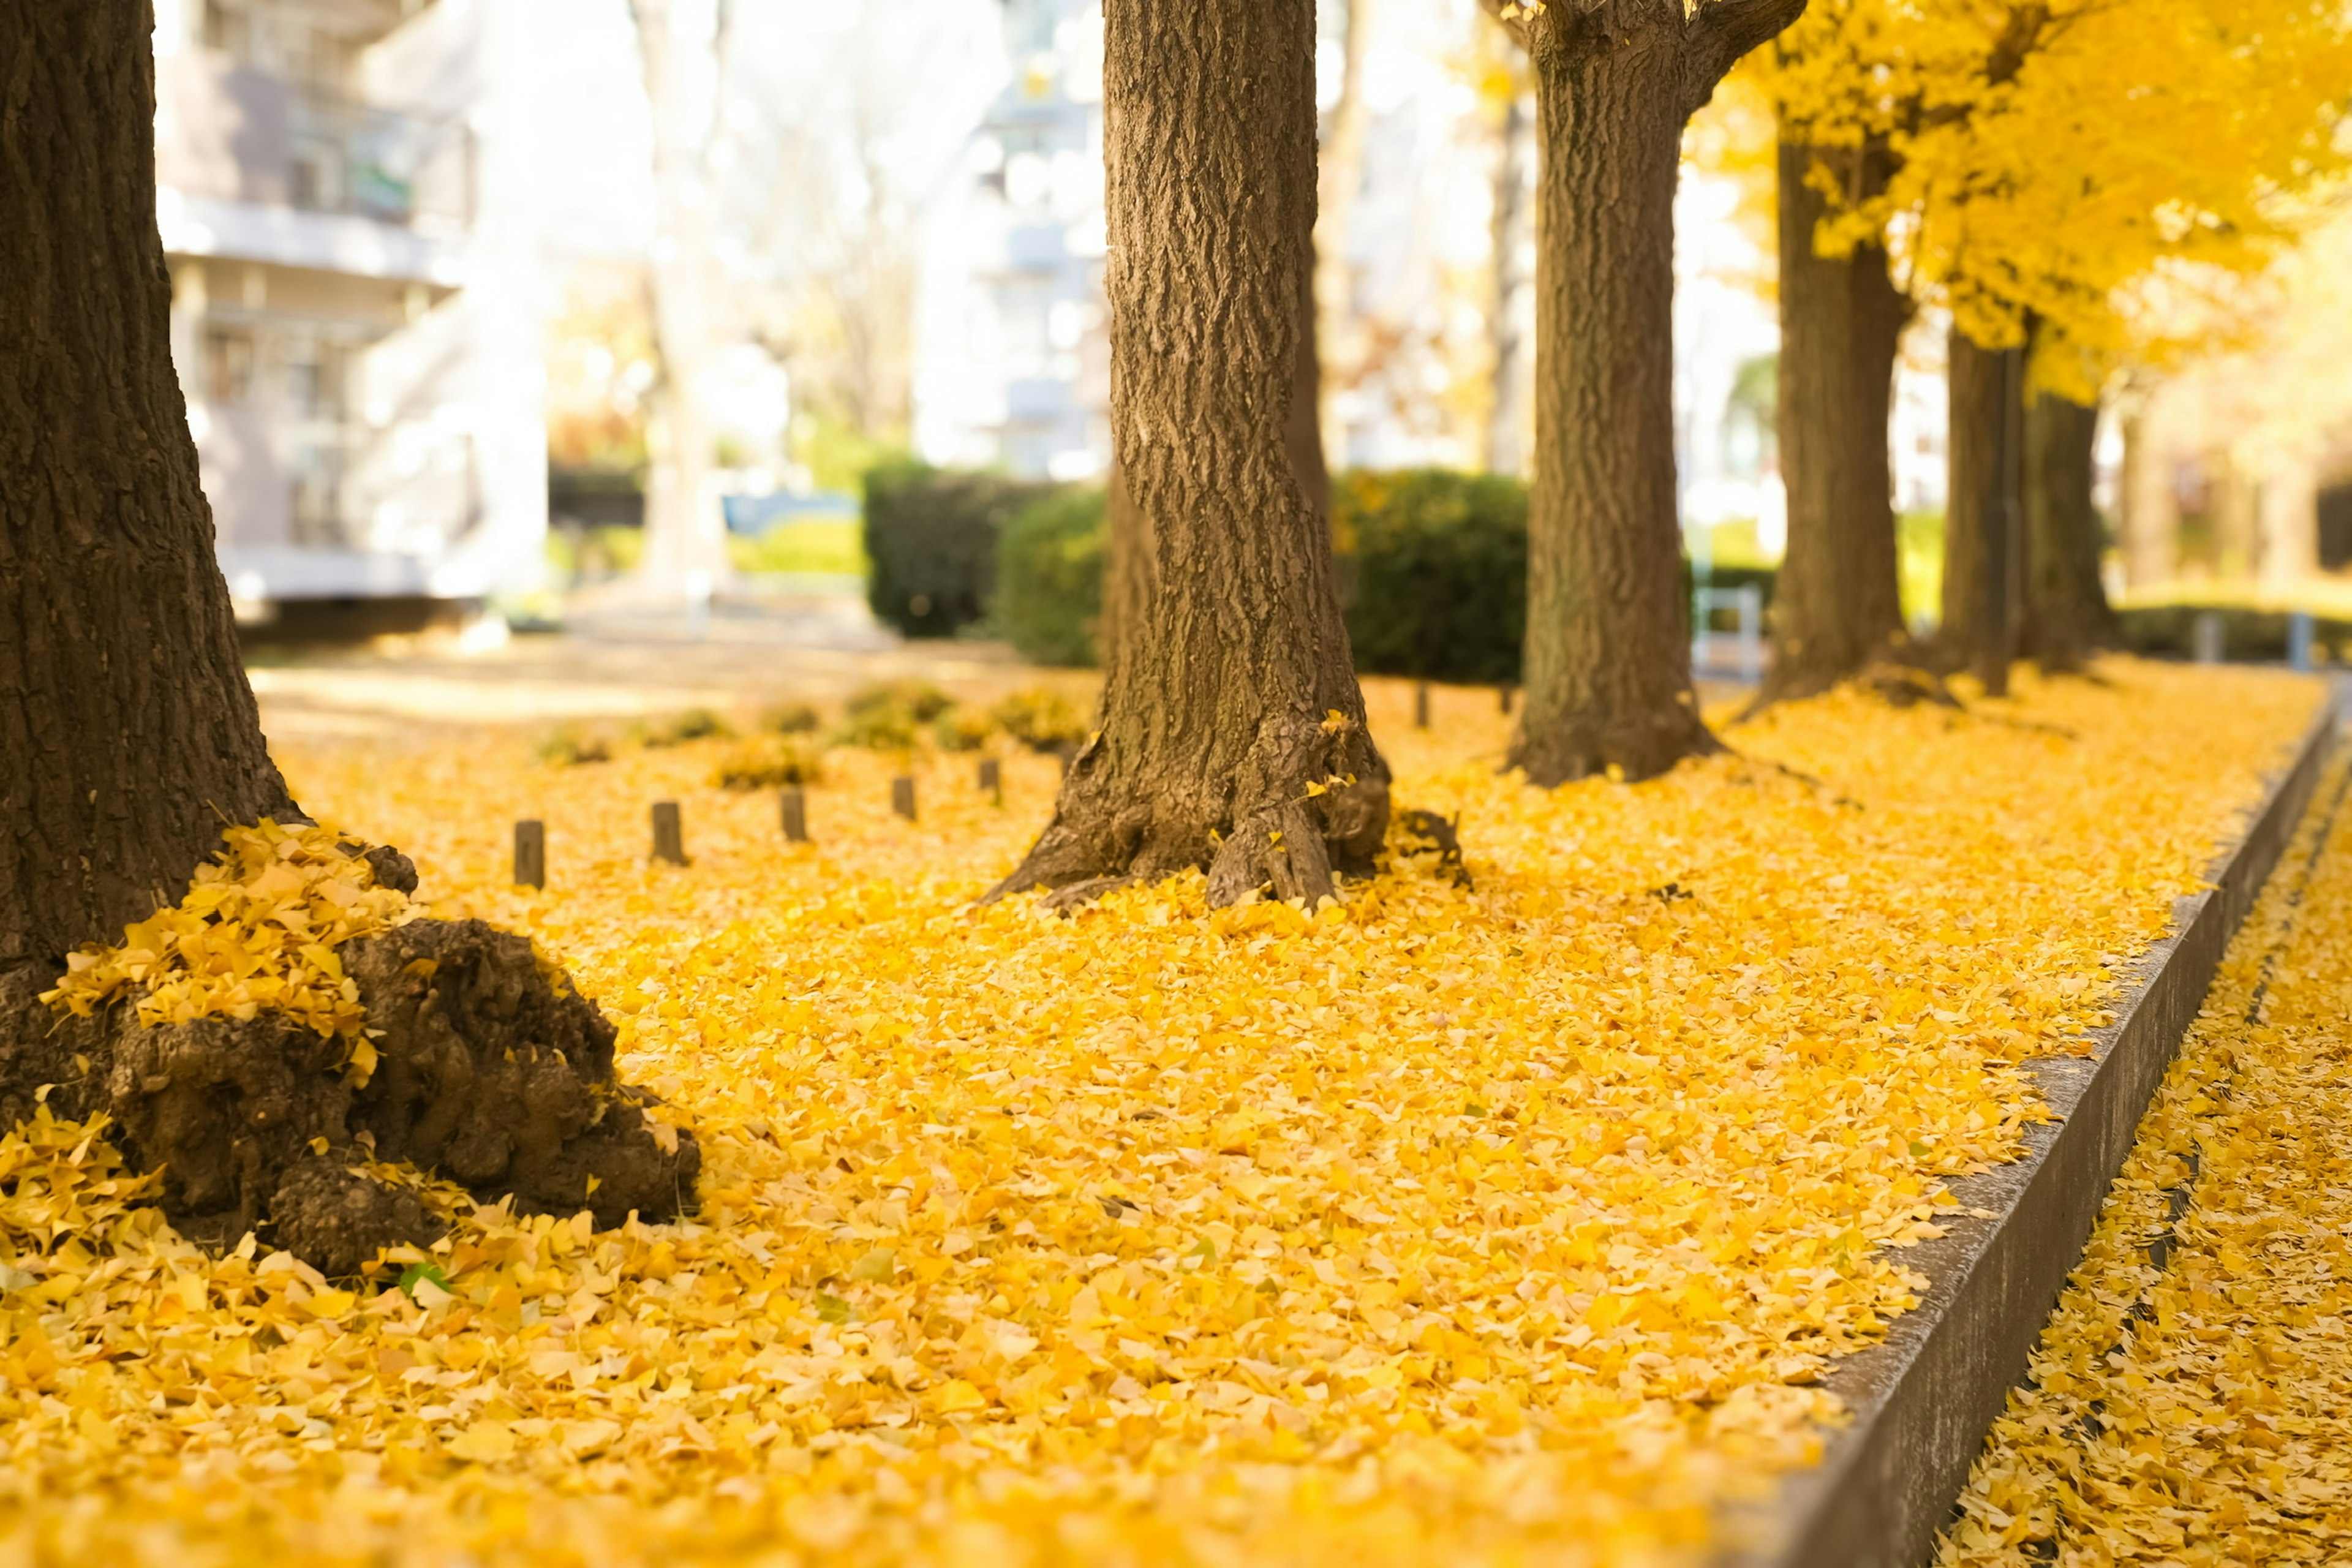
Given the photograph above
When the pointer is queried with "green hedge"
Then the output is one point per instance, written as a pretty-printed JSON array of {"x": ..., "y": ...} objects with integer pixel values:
[
  {"x": 1435, "y": 569},
  {"x": 1049, "y": 576},
  {"x": 1432, "y": 566},
  {"x": 931, "y": 534}
]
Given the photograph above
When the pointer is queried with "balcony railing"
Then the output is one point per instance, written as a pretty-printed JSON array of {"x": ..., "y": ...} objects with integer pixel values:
[{"x": 232, "y": 131}]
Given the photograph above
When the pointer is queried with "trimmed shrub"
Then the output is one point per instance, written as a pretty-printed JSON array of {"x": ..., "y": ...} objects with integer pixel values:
[
  {"x": 1049, "y": 576},
  {"x": 770, "y": 764},
  {"x": 931, "y": 535},
  {"x": 1041, "y": 719},
  {"x": 1436, "y": 565}
]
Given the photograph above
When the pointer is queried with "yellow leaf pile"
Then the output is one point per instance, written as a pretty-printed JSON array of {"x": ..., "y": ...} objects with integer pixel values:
[
  {"x": 258, "y": 930},
  {"x": 1510, "y": 1224},
  {"x": 2188, "y": 1398}
]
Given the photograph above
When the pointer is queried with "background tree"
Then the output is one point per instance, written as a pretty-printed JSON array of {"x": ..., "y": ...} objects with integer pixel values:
[
  {"x": 682, "y": 44},
  {"x": 1233, "y": 730},
  {"x": 1608, "y": 647},
  {"x": 131, "y": 738},
  {"x": 2050, "y": 160}
]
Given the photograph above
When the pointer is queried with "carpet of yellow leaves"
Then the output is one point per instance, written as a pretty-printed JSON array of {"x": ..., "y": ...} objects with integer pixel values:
[
  {"x": 2187, "y": 1402},
  {"x": 1501, "y": 1225}
]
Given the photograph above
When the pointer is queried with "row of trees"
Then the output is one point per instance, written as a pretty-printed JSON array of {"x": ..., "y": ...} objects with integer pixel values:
[{"x": 2044, "y": 170}]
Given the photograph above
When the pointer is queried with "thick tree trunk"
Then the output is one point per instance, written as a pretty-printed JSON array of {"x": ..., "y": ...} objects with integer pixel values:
[
  {"x": 1233, "y": 730},
  {"x": 130, "y": 739},
  {"x": 1608, "y": 647},
  {"x": 1838, "y": 608},
  {"x": 2151, "y": 506},
  {"x": 127, "y": 732},
  {"x": 1980, "y": 514},
  {"x": 2067, "y": 612}
]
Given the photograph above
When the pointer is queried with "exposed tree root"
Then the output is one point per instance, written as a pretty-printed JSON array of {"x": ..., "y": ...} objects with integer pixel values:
[
  {"x": 1903, "y": 677},
  {"x": 1310, "y": 800},
  {"x": 1627, "y": 752},
  {"x": 489, "y": 1070}
]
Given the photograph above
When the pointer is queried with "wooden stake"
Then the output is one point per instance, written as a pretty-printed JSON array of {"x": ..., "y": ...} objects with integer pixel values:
[
  {"x": 1420, "y": 706},
  {"x": 669, "y": 838},
  {"x": 902, "y": 797},
  {"x": 1505, "y": 692},
  {"x": 530, "y": 854},
  {"x": 795, "y": 814},
  {"x": 992, "y": 779}
]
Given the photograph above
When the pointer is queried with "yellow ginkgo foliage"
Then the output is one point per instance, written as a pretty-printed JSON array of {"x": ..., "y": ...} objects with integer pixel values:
[
  {"x": 257, "y": 931},
  {"x": 2063, "y": 159}
]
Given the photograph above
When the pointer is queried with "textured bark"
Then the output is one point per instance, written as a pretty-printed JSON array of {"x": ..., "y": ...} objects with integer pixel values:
[
  {"x": 1838, "y": 608},
  {"x": 2151, "y": 509},
  {"x": 1981, "y": 521},
  {"x": 129, "y": 735},
  {"x": 1608, "y": 649},
  {"x": 2067, "y": 612},
  {"x": 1228, "y": 656}
]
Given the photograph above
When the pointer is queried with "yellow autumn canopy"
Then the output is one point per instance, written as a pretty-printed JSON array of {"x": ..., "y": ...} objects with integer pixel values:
[{"x": 2066, "y": 158}]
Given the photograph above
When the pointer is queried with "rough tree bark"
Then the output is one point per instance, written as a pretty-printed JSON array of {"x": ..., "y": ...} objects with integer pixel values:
[
  {"x": 129, "y": 738},
  {"x": 2067, "y": 616},
  {"x": 1608, "y": 651},
  {"x": 1838, "y": 608},
  {"x": 1980, "y": 514},
  {"x": 1233, "y": 730}
]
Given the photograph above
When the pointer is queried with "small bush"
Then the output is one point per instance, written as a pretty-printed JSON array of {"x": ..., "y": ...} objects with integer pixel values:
[
  {"x": 1042, "y": 720},
  {"x": 2170, "y": 631},
  {"x": 931, "y": 535},
  {"x": 791, "y": 719},
  {"x": 770, "y": 764},
  {"x": 568, "y": 745},
  {"x": 1436, "y": 564},
  {"x": 1049, "y": 577},
  {"x": 678, "y": 728},
  {"x": 956, "y": 731},
  {"x": 890, "y": 715}
]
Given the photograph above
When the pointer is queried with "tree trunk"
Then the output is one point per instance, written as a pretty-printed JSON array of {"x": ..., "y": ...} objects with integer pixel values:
[
  {"x": 2067, "y": 612},
  {"x": 1838, "y": 606},
  {"x": 1232, "y": 731},
  {"x": 686, "y": 537},
  {"x": 2151, "y": 509},
  {"x": 1608, "y": 647},
  {"x": 1506, "y": 420},
  {"x": 129, "y": 731},
  {"x": 1980, "y": 553},
  {"x": 131, "y": 738}
]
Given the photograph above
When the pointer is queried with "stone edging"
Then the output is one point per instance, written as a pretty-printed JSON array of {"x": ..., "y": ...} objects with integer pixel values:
[{"x": 1922, "y": 1399}]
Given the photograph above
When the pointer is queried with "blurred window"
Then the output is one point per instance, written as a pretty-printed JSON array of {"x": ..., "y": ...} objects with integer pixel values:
[{"x": 228, "y": 365}]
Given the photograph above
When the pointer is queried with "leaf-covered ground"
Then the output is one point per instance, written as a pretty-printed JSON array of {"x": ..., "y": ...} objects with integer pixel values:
[
  {"x": 2188, "y": 1401},
  {"x": 1503, "y": 1225}
]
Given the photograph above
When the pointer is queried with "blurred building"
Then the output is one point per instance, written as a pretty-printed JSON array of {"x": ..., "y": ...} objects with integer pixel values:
[
  {"x": 1012, "y": 358},
  {"x": 353, "y": 321}
]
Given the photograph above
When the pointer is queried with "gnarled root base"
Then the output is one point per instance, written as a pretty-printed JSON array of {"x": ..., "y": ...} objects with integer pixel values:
[
  {"x": 1903, "y": 675},
  {"x": 486, "y": 1072},
  {"x": 1557, "y": 754},
  {"x": 1284, "y": 823}
]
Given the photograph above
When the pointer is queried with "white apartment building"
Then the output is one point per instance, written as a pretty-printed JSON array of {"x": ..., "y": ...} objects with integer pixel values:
[{"x": 355, "y": 298}]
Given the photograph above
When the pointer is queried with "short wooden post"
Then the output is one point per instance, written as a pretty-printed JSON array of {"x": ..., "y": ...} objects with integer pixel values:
[
  {"x": 530, "y": 854},
  {"x": 794, "y": 811},
  {"x": 992, "y": 779},
  {"x": 1420, "y": 706},
  {"x": 669, "y": 838},
  {"x": 1504, "y": 693},
  {"x": 902, "y": 797}
]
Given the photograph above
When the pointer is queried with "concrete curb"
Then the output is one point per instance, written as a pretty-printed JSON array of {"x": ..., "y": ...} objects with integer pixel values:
[{"x": 1922, "y": 1399}]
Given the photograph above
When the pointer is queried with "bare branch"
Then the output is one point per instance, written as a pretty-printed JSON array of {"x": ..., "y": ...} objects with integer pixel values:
[{"x": 1512, "y": 16}]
